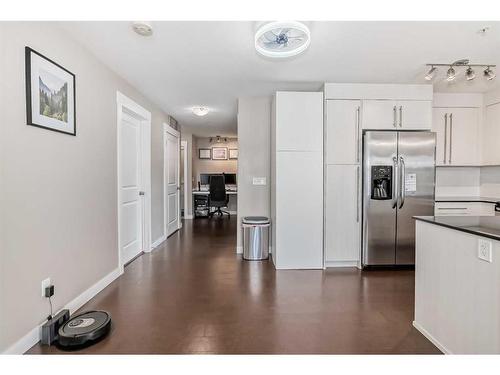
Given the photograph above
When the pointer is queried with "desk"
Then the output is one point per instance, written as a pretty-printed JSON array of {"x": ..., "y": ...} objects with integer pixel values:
[{"x": 203, "y": 194}]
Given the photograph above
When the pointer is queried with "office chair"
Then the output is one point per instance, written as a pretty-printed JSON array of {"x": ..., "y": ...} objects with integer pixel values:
[{"x": 218, "y": 197}]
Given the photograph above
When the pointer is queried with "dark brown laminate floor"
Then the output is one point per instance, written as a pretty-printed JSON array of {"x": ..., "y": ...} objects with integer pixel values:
[{"x": 193, "y": 294}]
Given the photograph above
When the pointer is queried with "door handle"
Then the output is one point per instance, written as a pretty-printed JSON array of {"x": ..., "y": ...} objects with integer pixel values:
[
  {"x": 357, "y": 132},
  {"x": 402, "y": 182},
  {"x": 445, "y": 136},
  {"x": 394, "y": 117},
  {"x": 400, "y": 116},
  {"x": 357, "y": 194},
  {"x": 451, "y": 137},
  {"x": 394, "y": 182},
  {"x": 141, "y": 193}
]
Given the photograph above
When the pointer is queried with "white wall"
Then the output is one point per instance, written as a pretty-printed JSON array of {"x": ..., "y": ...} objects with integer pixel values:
[
  {"x": 254, "y": 139},
  {"x": 58, "y": 193}
]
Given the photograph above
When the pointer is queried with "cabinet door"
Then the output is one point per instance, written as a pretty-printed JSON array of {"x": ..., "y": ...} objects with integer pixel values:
[
  {"x": 440, "y": 127},
  {"x": 342, "y": 215},
  {"x": 342, "y": 131},
  {"x": 491, "y": 135},
  {"x": 464, "y": 136},
  {"x": 299, "y": 121},
  {"x": 414, "y": 114},
  {"x": 380, "y": 114}
]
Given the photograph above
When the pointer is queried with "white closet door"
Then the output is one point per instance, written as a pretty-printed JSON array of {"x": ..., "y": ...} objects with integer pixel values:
[
  {"x": 130, "y": 185},
  {"x": 342, "y": 214},
  {"x": 172, "y": 183},
  {"x": 343, "y": 131}
]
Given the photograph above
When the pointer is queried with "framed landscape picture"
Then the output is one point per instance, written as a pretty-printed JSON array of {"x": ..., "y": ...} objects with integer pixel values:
[
  {"x": 204, "y": 153},
  {"x": 50, "y": 94},
  {"x": 219, "y": 153},
  {"x": 233, "y": 153}
]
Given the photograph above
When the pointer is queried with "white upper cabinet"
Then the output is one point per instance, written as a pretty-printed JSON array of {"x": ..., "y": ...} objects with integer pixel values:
[
  {"x": 397, "y": 114},
  {"x": 300, "y": 115},
  {"x": 342, "y": 125},
  {"x": 457, "y": 136},
  {"x": 415, "y": 114},
  {"x": 380, "y": 114},
  {"x": 491, "y": 136}
]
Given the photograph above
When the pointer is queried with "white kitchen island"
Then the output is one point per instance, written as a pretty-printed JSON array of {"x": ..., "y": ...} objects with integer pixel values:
[{"x": 457, "y": 293}]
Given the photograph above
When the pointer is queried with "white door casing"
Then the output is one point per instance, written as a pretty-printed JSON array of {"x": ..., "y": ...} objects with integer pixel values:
[
  {"x": 134, "y": 179},
  {"x": 184, "y": 150},
  {"x": 171, "y": 144}
]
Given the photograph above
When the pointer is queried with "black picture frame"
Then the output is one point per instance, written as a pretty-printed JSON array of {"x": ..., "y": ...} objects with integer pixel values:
[
  {"x": 232, "y": 157},
  {"x": 29, "y": 105},
  {"x": 205, "y": 157}
]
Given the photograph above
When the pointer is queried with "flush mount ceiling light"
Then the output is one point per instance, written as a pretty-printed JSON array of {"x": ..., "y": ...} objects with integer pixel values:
[
  {"x": 282, "y": 39},
  {"x": 142, "y": 28},
  {"x": 489, "y": 74},
  {"x": 200, "y": 111}
]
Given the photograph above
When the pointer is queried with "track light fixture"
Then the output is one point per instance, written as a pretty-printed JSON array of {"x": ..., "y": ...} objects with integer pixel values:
[
  {"x": 489, "y": 74},
  {"x": 430, "y": 74},
  {"x": 451, "y": 73},
  {"x": 469, "y": 74}
]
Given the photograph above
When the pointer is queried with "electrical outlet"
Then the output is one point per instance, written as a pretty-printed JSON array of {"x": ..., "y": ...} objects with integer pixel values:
[
  {"x": 45, "y": 283},
  {"x": 484, "y": 250}
]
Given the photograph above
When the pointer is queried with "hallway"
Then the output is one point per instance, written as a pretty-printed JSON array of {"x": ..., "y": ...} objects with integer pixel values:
[{"x": 193, "y": 294}]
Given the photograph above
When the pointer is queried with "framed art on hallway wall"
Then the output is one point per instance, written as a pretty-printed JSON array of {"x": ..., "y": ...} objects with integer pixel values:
[
  {"x": 233, "y": 153},
  {"x": 204, "y": 153},
  {"x": 50, "y": 94}
]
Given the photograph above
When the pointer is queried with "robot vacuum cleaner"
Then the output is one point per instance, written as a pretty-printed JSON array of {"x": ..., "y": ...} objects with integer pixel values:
[{"x": 84, "y": 329}]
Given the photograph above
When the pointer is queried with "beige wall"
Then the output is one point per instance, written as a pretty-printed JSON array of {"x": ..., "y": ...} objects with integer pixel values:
[
  {"x": 212, "y": 166},
  {"x": 254, "y": 139},
  {"x": 58, "y": 193}
]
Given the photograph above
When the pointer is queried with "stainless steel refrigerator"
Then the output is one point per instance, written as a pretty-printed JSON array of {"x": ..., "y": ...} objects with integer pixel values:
[{"x": 398, "y": 183}]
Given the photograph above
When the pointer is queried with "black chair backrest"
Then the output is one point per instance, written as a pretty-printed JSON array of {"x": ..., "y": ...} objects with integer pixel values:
[{"x": 217, "y": 188}]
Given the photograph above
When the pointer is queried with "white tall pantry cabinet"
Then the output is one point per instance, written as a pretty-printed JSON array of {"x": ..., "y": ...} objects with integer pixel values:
[{"x": 297, "y": 180}]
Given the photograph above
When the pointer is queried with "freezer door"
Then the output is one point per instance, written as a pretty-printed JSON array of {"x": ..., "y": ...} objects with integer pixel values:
[
  {"x": 417, "y": 176},
  {"x": 379, "y": 198}
]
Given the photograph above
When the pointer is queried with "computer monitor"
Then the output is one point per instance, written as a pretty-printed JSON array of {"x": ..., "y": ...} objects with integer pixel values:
[
  {"x": 230, "y": 178},
  {"x": 205, "y": 178}
]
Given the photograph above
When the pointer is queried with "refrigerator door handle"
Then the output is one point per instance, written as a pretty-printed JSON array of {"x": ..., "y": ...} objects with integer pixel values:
[
  {"x": 402, "y": 182},
  {"x": 395, "y": 195}
]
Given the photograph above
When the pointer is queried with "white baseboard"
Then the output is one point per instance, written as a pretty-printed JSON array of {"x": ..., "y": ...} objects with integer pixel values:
[
  {"x": 188, "y": 217},
  {"x": 343, "y": 263},
  {"x": 158, "y": 242},
  {"x": 431, "y": 338},
  {"x": 33, "y": 336},
  {"x": 239, "y": 249}
]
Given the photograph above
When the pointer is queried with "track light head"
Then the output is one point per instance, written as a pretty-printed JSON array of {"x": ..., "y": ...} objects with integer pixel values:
[
  {"x": 430, "y": 74},
  {"x": 450, "y": 74},
  {"x": 489, "y": 74},
  {"x": 470, "y": 74}
]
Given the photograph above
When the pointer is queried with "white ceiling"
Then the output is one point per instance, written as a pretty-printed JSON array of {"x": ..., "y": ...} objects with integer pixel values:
[{"x": 185, "y": 64}]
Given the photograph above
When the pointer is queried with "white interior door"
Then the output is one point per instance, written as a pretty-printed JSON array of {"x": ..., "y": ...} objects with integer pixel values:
[
  {"x": 172, "y": 182},
  {"x": 131, "y": 210}
]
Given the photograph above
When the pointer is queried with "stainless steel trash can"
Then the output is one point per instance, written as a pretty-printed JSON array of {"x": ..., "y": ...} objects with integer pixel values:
[{"x": 255, "y": 237}]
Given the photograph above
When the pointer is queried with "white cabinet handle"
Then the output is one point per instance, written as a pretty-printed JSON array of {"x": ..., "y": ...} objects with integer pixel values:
[
  {"x": 400, "y": 116},
  {"x": 395, "y": 120},
  {"x": 445, "y": 136},
  {"x": 451, "y": 136}
]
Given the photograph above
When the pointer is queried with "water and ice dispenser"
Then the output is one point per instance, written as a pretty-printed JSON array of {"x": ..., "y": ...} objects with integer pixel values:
[{"x": 381, "y": 182}]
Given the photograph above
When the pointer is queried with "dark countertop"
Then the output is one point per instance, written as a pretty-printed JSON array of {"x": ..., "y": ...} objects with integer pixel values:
[
  {"x": 485, "y": 226},
  {"x": 466, "y": 199}
]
